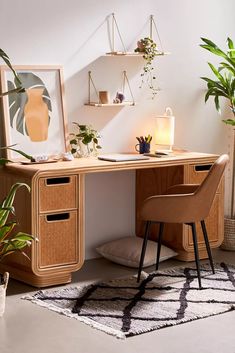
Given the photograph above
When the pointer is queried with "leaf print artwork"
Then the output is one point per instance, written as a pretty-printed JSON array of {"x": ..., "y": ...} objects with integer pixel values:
[{"x": 30, "y": 111}]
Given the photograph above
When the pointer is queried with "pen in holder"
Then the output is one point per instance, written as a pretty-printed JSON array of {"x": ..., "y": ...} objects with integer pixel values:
[{"x": 143, "y": 147}]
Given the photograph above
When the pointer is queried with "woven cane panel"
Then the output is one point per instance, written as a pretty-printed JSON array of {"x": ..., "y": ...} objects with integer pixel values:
[
  {"x": 58, "y": 241},
  {"x": 59, "y": 196},
  {"x": 197, "y": 176}
]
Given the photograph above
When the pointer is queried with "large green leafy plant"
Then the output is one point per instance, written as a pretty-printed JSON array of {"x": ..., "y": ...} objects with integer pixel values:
[
  {"x": 9, "y": 241},
  {"x": 224, "y": 83},
  {"x": 13, "y": 91},
  {"x": 223, "y": 86}
]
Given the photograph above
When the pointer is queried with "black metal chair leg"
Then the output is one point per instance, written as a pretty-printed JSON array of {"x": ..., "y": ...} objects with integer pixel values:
[
  {"x": 203, "y": 225},
  {"x": 145, "y": 240},
  {"x": 196, "y": 253},
  {"x": 159, "y": 244}
]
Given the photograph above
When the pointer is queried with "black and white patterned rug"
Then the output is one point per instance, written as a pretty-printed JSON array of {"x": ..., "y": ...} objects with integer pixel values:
[{"x": 124, "y": 308}]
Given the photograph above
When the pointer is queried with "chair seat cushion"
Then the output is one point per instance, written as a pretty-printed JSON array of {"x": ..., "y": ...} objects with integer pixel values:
[{"x": 126, "y": 251}]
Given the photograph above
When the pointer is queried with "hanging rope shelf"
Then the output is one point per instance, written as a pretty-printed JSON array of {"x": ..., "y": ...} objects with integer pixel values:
[
  {"x": 115, "y": 30},
  {"x": 98, "y": 103}
]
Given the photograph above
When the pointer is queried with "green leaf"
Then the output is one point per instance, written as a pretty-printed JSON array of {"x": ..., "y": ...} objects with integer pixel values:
[
  {"x": 228, "y": 67},
  {"x": 230, "y": 43},
  {"x": 216, "y": 72},
  {"x": 73, "y": 150},
  {"x": 4, "y": 161},
  {"x": 212, "y": 47},
  {"x": 5, "y": 230},
  {"x": 27, "y": 156},
  {"x": 229, "y": 122},
  {"x": 217, "y": 105},
  {"x": 6, "y": 58},
  {"x": 8, "y": 201},
  {"x": 87, "y": 139},
  {"x": 231, "y": 51},
  {"x": 82, "y": 127}
]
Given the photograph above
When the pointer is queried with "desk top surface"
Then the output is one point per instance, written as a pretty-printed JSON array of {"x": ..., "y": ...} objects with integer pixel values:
[{"x": 94, "y": 165}]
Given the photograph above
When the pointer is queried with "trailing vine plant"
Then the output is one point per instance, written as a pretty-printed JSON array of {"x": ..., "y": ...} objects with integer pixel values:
[{"x": 148, "y": 47}]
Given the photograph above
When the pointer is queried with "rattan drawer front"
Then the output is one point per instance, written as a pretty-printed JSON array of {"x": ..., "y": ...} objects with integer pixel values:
[
  {"x": 57, "y": 193},
  {"x": 58, "y": 239},
  {"x": 198, "y": 172}
]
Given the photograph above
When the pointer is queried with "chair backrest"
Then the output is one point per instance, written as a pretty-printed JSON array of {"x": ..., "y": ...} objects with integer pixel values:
[{"x": 205, "y": 193}]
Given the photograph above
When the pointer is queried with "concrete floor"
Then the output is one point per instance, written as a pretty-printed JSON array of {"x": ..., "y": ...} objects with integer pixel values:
[{"x": 28, "y": 328}]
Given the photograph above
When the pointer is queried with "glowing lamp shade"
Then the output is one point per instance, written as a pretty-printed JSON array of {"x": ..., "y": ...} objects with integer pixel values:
[{"x": 164, "y": 130}]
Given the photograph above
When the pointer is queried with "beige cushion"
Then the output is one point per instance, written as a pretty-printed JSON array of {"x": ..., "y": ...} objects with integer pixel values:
[{"x": 126, "y": 251}]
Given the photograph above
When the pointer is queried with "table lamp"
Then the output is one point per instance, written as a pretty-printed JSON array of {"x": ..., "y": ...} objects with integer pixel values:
[{"x": 164, "y": 132}]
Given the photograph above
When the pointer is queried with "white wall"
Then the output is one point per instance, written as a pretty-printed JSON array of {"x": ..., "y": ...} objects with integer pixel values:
[{"x": 74, "y": 34}]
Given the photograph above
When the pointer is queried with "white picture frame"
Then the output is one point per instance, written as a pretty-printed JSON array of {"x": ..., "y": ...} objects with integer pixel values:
[{"x": 34, "y": 120}]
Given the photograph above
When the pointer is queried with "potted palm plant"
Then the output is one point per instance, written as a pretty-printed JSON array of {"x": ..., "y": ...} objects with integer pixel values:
[
  {"x": 10, "y": 242},
  {"x": 223, "y": 86}
]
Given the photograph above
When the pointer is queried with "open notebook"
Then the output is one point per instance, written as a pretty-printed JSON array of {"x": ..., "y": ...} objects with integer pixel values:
[{"x": 122, "y": 157}]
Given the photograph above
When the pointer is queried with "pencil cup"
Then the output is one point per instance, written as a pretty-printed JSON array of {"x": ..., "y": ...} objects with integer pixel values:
[
  {"x": 143, "y": 147},
  {"x": 104, "y": 97}
]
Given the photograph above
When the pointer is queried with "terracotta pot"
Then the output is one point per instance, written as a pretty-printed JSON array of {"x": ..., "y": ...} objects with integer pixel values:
[{"x": 3, "y": 288}]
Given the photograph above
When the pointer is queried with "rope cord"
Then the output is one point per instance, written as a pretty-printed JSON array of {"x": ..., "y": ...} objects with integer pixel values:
[
  {"x": 125, "y": 79},
  {"x": 96, "y": 92},
  {"x": 119, "y": 34},
  {"x": 153, "y": 23}
]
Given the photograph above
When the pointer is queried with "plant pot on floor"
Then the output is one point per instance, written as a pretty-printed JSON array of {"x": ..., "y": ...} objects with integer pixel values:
[
  {"x": 3, "y": 286},
  {"x": 229, "y": 235}
]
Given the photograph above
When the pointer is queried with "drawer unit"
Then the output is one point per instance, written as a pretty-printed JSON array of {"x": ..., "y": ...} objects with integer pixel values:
[
  {"x": 57, "y": 193},
  {"x": 58, "y": 244}
]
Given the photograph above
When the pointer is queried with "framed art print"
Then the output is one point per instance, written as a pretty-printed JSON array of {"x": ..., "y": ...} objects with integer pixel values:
[{"x": 34, "y": 119}]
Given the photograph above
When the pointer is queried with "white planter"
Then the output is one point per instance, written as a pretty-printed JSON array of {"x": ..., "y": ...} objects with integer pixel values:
[
  {"x": 229, "y": 235},
  {"x": 3, "y": 288}
]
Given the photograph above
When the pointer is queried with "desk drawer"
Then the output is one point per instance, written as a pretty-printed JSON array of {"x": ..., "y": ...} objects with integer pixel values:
[
  {"x": 58, "y": 239},
  {"x": 57, "y": 193},
  {"x": 198, "y": 172}
]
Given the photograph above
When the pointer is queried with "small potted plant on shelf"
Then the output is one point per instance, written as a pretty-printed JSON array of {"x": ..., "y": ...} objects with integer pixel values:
[
  {"x": 84, "y": 143},
  {"x": 223, "y": 86},
  {"x": 149, "y": 49}
]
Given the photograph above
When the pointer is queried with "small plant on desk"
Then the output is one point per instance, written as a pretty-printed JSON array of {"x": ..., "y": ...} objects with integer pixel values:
[{"x": 86, "y": 137}]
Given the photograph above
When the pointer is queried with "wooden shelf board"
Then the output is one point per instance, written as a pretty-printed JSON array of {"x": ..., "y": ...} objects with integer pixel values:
[
  {"x": 122, "y": 53},
  {"x": 95, "y": 104}
]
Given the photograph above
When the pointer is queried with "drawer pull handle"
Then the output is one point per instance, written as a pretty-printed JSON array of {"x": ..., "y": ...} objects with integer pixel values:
[
  {"x": 60, "y": 180},
  {"x": 57, "y": 217},
  {"x": 203, "y": 167}
]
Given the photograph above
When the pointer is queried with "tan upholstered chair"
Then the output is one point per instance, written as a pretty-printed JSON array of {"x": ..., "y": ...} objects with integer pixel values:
[{"x": 184, "y": 203}]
